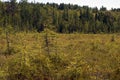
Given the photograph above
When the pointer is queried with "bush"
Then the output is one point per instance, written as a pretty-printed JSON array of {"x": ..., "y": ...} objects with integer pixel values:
[
  {"x": 42, "y": 67},
  {"x": 12, "y": 50},
  {"x": 113, "y": 38},
  {"x": 1, "y": 31},
  {"x": 115, "y": 75}
]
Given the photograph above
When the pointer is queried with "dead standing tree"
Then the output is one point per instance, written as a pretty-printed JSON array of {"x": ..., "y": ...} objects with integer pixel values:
[
  {"x": 8, "y": 44},
  {"x": 47, "y": 42},
  {"x": 8, "y": 31}
]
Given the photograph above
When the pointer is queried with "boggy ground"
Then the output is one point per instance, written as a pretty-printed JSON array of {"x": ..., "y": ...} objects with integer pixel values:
[{"x": 52, "y": 56}]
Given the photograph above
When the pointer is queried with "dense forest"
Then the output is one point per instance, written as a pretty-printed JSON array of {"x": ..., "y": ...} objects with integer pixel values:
[{"x": 61, "y": 18}]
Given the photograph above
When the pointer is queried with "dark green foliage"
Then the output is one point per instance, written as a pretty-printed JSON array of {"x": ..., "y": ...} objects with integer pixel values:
[
  {"x": 63, "y": 18},
  {"x": 103, "y": 8},
  {"x": 40, "y": 28}
]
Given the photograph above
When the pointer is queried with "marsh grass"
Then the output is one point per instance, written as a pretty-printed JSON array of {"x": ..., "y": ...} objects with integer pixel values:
[{"x": 79, "y": 57}]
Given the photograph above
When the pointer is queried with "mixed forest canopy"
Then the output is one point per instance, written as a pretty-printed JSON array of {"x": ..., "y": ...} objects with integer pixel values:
[{"x": 61, "y": 18}]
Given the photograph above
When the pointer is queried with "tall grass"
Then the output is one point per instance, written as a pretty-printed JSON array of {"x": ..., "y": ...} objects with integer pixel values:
[{"x": 71, "y": 57}]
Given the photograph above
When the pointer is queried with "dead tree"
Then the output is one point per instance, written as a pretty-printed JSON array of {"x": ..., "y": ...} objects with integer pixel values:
[{"x": 8, "y": 44}]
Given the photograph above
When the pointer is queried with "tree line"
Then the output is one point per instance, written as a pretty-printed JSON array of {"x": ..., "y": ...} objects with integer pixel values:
[{"x": 61, "y": 18}]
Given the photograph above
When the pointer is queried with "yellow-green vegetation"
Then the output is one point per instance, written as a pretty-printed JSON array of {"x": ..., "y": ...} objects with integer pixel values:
[{"x": 52, "y": 56}]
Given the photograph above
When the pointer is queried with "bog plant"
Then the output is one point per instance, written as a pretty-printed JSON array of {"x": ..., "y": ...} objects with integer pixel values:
[
  {"x": 112, "y": 38},
  {"x": 71, "y": 57}
]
